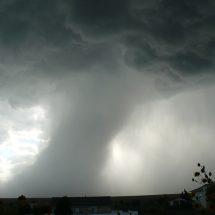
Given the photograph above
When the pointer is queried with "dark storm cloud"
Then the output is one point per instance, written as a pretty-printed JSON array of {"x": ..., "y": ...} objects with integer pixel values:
[
  {"x": 179, "y": 34},
  {"x": 191, "y": 63},
  {"x": 91, "y": 62},
  {"x": 140, "y": 53},
  {"x": 99, "y": 17},
  {"x": 35, "y": 33}
]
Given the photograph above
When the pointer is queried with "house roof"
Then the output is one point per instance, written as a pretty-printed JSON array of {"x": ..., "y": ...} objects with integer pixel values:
[
  {"x": 88, "y": 201},
  {"x": 200, "y": 188},
  {"x": 144, "y": 201},
  {"x": 178, "y": 199},
  {"x": 91, "y": 201}
]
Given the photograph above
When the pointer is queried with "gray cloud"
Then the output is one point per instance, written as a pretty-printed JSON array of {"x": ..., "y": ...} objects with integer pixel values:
[
  {"x": 91, "y": 64},
  {"x": 73, "y": 32}
]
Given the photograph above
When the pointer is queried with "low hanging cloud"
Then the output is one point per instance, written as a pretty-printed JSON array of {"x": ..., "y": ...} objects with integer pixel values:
[{"x": 127, "y": 88}]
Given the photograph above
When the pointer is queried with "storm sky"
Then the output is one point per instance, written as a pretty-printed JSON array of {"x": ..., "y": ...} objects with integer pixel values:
[{"x": 105, "y": 97}]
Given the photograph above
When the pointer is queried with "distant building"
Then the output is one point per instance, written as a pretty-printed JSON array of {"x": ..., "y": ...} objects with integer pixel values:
[
  {"x": 121, "y": 212},
  {"x": 143, "y": 204},
  {"x": 121, "y": 205},
  {"x": 89, "y": 205},
  {"x": 178, "y": 203},
  {"x": 199, "y": 197}
]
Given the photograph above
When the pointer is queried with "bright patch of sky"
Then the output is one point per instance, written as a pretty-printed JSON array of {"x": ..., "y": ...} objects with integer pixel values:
[{"x": 23, "y": 135}]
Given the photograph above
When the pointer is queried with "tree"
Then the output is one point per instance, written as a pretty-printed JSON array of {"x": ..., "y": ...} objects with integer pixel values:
[
  {"x": 205, "y": 177},
  {"x": 23, "y": 205}
]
